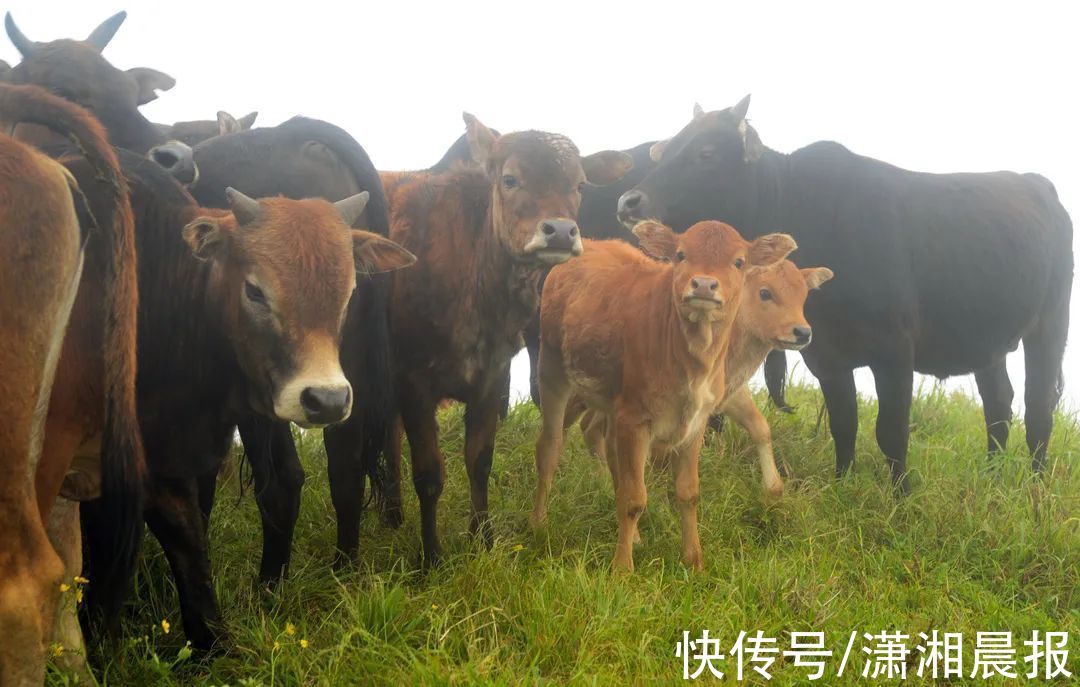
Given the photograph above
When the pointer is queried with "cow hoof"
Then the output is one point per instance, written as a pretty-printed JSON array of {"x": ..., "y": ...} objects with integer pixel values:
[
  {"x": 773, "y": 495},
  {"x": 392, "y": 516},
  {"x": 693, "y": 560}
]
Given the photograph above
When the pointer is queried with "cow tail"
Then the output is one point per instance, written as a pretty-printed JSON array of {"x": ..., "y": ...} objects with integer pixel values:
[{"x": 123, "y": 462}]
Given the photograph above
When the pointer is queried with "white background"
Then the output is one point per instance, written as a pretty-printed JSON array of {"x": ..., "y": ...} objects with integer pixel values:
[{"x": 939, "y": 87}]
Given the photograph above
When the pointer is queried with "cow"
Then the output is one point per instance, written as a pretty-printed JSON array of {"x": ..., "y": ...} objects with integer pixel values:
[
  {"x": 77, "y": 71},
  {"x": 194, "y": 132},
  {"x": 81, "y": 345},
  {"x": 482, "y": 233},
  {"x": 987, "y": 263},
  {"x": 644, "y": 342},
  {"x": 770, "y": 316},
  {"x": 239, "y": 325}
]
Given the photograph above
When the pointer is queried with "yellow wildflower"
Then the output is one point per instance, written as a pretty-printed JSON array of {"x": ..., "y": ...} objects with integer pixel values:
[
  {"x": 304, "y": 644},
  {"x": 518, "y": 547},
  {"x": 165, "y": 626},
  {"x": 277, "y": 645},
  {"x": 290, "y": 629},
  {"x": 64, "y": 588},
  {"x": 57, "y": 650},
  {"x": 78, "y": 596},
  {"x": 79, "y": 579}
]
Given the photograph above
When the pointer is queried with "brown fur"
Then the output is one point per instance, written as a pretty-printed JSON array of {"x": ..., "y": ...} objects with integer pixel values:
[
  {"x": 635, "y": 339},
  {"x": 761, "y": 325},
  {"x": 39, "y": 211},
  {"x": 456, "y": 318}
]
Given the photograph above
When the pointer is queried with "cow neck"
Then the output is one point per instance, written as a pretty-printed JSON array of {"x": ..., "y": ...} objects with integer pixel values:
[
  {"x": 131, "y": 131},
  {"x": 754, "y": 203},
  {"x": 504, "y": 284},
  {"x": 745, "y": 353}
]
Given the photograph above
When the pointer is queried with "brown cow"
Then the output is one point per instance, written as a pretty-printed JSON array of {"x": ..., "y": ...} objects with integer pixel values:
[
  {"x": 644, "y": 342},
  {"x": 770, "y": 317},
  {"x": 483, "y": 235},
  {"x": 39, "y": 280}
]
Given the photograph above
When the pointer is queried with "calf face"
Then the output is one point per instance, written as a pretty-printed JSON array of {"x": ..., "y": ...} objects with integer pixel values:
[
  {"x": 537, "y": 181},
  {"x": 709, "y": 263},
  {"x": 285, "y": 270},
  {"x": 772, "y": 306}
]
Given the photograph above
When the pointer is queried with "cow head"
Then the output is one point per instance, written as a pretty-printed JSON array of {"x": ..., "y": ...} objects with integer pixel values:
[
  {"x": 709, "y": 263},
  {"x": 197, "y": 131},
  {"x": 537, "y": 180},
  {"x": 712, "y": 151},
  {"x": 76, "y": 70},
  {"x": 772, "y": 303},
  {"x": 286, "y": 270}
]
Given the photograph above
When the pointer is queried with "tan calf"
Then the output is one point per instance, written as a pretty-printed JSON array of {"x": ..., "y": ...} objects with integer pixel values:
[{"x": 644, "y": 343}]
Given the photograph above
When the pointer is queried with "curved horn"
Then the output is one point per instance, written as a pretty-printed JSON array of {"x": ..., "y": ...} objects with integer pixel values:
[
  {"x": 24, "y": 45},
  {"x": 699, "y": 111},
  {"x": 352, "y": 207},
  {"x": 105, "y": 31},
  {"x": 246, "y": 209}
]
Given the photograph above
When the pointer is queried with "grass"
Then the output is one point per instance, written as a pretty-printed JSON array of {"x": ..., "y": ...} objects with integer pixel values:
[{"x": 977, "y": 546}]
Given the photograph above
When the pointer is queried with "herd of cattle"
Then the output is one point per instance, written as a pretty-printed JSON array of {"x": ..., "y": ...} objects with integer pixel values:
[{"x": 162, "y": 287}]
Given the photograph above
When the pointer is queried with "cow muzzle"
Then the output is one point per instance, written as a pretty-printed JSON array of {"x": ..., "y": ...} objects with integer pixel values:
[
  {"x": 178, "y": 159},
  {"x": 315, "y": 402},
  {"x": 631, "y": 207},
  {"x": 800, "y": 338},
  {"x": 555, "y": 241}
]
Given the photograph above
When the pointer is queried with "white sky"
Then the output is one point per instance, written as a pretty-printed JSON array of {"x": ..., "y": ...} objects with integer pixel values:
[{"x": 932, "y": 86}]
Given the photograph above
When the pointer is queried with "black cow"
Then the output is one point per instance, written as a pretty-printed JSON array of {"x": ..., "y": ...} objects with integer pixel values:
[{"x": 942, "y": 274}]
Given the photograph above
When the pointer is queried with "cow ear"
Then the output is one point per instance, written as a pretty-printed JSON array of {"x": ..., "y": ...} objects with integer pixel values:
[
  {"x": 481, "y": 139},
  {"x": 751, "y": 142},
  {"x": 770, "y": 249},
  {"x": 227, "y": 124},
  {"x": 206, "y": 238},
  {"x": 606, "y": 167},
  {"x": 374, "y": 253},
  {"x": 816, "y": 276},
  {"x": 148, "y": 82},
  {"x": 699, "y": 111},
  {"x": 656, "y": 151},
  {"x": 248, "y": 120},
  {"x": 656, "y": 239}
]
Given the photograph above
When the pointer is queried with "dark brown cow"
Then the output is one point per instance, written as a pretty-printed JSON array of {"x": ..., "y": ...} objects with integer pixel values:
[
  {"x": 244, "y": 332},
  {"x": 75, "y": 70},
  {"x": 483, "y": 234},
  {"x": 197, "y": 131},
  {"x": 93, "y": 364}
]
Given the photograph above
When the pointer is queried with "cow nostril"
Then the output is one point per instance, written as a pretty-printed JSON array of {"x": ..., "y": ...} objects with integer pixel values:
[
  {"x": 165, "y": 158},
  {"x": 548, "y": 229},
  {"x": 325, "y": 404},
  {"x": 714, "y": 286},
  {"x": 802, "y": 332},
  {"x": 573, "y": 231},
  {"x": 694, "y": 283},
  {"x": 632, "y": 200}
]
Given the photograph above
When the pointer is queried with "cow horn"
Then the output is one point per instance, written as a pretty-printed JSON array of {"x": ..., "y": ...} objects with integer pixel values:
[
  {"x": 24, "y": 45},
  {"x": 246, "y": 209},
  {"x": 352, "y": 207},
  {"x": 699, "y": 111},
  {"x": 105, "y": 31}
]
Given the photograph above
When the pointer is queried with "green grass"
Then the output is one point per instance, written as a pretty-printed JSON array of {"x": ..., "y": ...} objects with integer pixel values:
[{"x": 976, "y": 546}]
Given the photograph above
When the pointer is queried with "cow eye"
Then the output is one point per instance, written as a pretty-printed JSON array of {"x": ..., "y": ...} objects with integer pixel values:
[
  {"x": 509, "y": 181},
  {"x": 738, "y": 263},
  {"x": 581, "y": 187},
  {"x": 680, "y": 256},
  {"x": 765, "y": 295},
  {"x": 254, "y": 293}
]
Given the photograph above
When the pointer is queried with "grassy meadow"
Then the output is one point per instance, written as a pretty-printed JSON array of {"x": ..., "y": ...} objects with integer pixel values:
[{"x": 976, "y": 546}]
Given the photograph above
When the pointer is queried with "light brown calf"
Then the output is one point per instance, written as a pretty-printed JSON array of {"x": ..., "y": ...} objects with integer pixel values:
[
  {"x": 770, "y": 317},
  {"x": 644, "y": 342}
]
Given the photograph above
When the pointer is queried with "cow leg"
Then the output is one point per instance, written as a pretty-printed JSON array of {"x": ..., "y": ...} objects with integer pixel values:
[
  {"x": 279, "y": 479},
  {"x": 745, "y": 413},
  {"x": 177, "y": 522},
  {"x": 840, "y": 399},
  {"x": 685, "y": 475},
  {"x": 997, "y": 396},
  {"x": 65, "y": 534},
  {"x": 347, "y": 484},
  {"x": 632, "y": 448},
  {"x": 894, "y": 387},
  {"x": 393, "y": 513},
  {"x": 207, "y": 492},
  {"x": 428, "y": 467},
  {"x": 481, "y": 423},
  {"x": 1044, "y": 348},
  {"x": 554, "y": 397}
]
